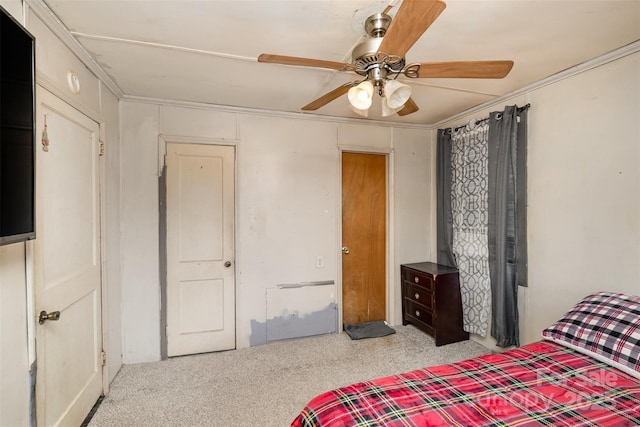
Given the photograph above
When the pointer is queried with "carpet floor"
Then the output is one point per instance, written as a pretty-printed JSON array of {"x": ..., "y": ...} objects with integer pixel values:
[{"x": 265, "y": 385}]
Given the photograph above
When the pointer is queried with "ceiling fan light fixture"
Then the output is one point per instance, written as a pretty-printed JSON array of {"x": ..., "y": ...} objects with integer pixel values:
[
  {"x": 380, "y": 55},
  {"x": 396, "y": 94},
  {"x": 363, "y": 113},
  {"x": 387, "y": 111},
  {"x": 360, "y": 96}
]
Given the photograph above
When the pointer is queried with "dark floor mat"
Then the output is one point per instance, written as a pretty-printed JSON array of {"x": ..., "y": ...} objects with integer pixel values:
[{"x": 375, "y": 329}]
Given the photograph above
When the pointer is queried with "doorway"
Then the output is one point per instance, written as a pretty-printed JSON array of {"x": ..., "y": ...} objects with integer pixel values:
[
  {"x": 364, "y": 230},
  {"x": 200, "y": 204}
]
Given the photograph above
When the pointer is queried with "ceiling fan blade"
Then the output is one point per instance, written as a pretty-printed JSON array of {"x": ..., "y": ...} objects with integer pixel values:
[
  {"x": 303, "y": 62},
  {"x": 465, "y": 69},
  {"x": 328, "y": 97},
  {"x": 409, "y": 107},
  {"x": 411, "y": 21}
]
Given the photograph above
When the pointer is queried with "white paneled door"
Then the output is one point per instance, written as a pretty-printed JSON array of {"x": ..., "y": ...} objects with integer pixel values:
[
  {"x": 200, "y": 248},
  {"x": 67, "y": 265}
]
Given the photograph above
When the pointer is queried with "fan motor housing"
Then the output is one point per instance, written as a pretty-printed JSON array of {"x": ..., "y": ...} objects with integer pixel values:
[
  {"x": 365, "y": 55},
  {"x": 376, "y": 25},
  {"x": 367, "y": 51}
]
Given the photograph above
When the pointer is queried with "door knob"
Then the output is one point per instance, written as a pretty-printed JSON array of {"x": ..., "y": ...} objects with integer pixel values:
[
  {"x": 227, "y": 264},
  {"x": 345, "y": 250},
  {"x": 44, "y": 316}
]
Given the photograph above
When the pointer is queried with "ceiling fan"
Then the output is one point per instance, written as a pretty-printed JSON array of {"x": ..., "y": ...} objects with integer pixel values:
[{"x": 380, "y": 60}]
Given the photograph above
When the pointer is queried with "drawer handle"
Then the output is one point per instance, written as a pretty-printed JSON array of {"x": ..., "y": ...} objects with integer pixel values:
[
  {"x": 417, "y": 296},
  {"x": 417, "y": 313},
  {"x": 417, "y": 279}
]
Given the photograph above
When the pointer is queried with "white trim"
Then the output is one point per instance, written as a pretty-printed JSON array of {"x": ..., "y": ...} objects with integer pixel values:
[
  {"x": 569, "y": 72},
  {"x": 339, "y": 237},
  {"x": 271, "y": 113},
  {"x": 363, "y": 149},
  {"x": 104, "y": 291},
  {"x": 46, "y": 15},
  {"x": 390, "y": 270}
]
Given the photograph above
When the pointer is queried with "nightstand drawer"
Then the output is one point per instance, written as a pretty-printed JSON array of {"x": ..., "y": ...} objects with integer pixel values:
[
  {"x": 419, "y": 294},
  {"x": 418, "y": 279},
  {"x": 419, "y": 312}
]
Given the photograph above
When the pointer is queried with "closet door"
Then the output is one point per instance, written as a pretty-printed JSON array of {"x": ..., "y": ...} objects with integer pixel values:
[
  {"x": 364, "y": 208},
  {"x": 200, "y": 248},
  {"x": 67, "y": 261}
]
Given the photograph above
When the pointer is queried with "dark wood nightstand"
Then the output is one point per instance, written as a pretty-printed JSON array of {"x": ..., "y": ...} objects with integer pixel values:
[{"x": 431, "y": 301}]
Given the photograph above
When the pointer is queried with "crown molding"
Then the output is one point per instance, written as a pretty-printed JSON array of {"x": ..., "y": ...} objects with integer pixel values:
[
  {"x": 46, "y": 15},
  {"x": 569, "y": 72},
  {"x": 271, "y": 113}
]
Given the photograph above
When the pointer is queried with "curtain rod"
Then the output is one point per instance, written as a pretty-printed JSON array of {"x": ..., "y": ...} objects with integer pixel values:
[{"x": 481, "y": 121}]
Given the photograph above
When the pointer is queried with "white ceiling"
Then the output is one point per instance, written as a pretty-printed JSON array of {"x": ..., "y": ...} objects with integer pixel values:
[{"x": 205, "y": 51}]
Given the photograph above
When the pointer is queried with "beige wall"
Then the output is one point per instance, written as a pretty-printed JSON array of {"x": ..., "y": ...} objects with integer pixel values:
[
  {"x": 583, "y": 189},
  {"x": 287, "y": 200},
  {"x": 578, "y": 161},
  {"x": 14, "y": 357},
  {"x": 17, "y": 322}
]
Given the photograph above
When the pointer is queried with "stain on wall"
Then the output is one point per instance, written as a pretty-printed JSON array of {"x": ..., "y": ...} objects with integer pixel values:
[
  {"x": 295, "y": 325},
  {"x": 295, "y": 311}
]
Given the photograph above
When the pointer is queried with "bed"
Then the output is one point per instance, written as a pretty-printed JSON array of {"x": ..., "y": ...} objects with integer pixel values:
[{"x": 585, "y": 371}]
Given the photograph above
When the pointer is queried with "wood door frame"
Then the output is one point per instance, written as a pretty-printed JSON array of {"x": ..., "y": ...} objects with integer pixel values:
[
  {"x": 390, "y": 299},
  {"x": 163, "y": 140}
]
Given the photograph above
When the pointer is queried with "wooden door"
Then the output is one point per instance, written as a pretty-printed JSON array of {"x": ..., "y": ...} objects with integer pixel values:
[
  {"x": 67, "y": 265},
  {"x": 364, "y": 208},
  {"x": 200, "y": 249}
]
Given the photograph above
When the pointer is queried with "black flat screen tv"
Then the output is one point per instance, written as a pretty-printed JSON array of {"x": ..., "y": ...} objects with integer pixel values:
[{"x": 17, "y": 132}]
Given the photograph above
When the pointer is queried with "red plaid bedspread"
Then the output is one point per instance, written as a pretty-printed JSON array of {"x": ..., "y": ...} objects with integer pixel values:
[{"x": 540, "y": 384}]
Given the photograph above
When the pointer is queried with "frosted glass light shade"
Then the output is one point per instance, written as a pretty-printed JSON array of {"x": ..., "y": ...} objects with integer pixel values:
[
  {"x": 397, "y": 94},
  {"x": 387, "y": 111},
  {"x": 363, "y": 113},
  {"x": 360, "y": 96}
]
